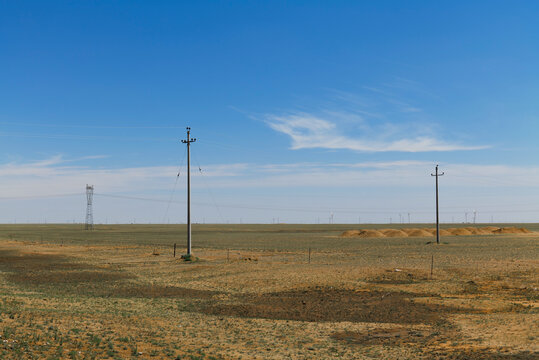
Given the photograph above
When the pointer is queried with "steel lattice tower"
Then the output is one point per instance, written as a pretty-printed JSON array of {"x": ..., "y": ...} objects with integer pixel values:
[{"x": 89, "y": 225}]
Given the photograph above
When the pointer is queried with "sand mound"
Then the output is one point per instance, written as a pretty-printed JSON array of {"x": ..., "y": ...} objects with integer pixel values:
[
  {"x": 459, "y": 231},
  {"x": 419, "y": 233},
  {"x": 409, "y": 230},
  {"x": 425, "y": 232},
  {"x": 489, "y": 229},
  {"x": 511, "y": 230},
  {"x": 393, "y": 233},
  {"x": 371, "y": 234},
  {"x": 350, "y": 233},
  {"x": 473, "y": 230}
]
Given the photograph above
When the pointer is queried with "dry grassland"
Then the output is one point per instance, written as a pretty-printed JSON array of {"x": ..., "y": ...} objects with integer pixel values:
[{"x": 117, "y": 292}]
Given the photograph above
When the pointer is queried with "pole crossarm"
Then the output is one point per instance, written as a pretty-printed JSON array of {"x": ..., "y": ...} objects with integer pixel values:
[{"x": 189, "y": 139}]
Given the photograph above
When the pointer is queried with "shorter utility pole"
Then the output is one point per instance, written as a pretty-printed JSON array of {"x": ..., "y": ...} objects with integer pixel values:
[
  {"x": 188, "y": 142},
  {"x": 437, "y": 208}
]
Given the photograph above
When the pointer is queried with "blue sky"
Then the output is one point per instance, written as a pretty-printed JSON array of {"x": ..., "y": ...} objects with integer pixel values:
[{"x": 301, "y": 109}]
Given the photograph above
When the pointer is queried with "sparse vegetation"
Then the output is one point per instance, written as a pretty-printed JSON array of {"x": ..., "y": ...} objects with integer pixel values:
[{"x": 104, "y": 295}]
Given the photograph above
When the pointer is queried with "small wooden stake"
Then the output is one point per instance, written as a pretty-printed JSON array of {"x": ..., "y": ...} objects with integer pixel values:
[
  {"x": 309, "y": 255},
  {"x": 174, "y": 249},
  {"x": 227, "y": 255},
  {"x": 431, "y": 266}
]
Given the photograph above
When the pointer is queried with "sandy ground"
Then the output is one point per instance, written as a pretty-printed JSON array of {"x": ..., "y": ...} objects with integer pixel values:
[{"x": 377, "y": 300}]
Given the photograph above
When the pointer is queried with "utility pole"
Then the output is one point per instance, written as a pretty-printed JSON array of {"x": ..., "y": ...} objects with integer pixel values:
[
  {"x": 89, "y": 224},
  {"x": 437, "y": 208},
  {"x": 188, "y": 142}
]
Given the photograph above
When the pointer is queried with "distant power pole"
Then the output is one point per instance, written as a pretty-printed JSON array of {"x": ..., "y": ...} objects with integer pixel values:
[
  {"x": 474, "y": 216},
  {"x": 408, "y": 218},
  {"x": 89, "y": 224},
  {"x": 188, "y": 142},
  {"x": 437, "y": 208}
]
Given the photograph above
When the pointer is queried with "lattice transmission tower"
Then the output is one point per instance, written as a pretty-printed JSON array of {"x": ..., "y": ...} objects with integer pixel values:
[{"x": 89, "y": 224}]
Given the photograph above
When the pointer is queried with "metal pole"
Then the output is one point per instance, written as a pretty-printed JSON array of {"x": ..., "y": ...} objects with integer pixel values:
[
  {"x": 188, "y": 142},
  {"x": 431, "y": 266}
]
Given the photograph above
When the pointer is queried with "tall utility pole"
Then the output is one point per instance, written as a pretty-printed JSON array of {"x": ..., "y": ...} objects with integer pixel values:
[
  {"x": 89, "y": 224},
  {"x": 437, "y": 209},
  {"x": 188, "y": 142}
]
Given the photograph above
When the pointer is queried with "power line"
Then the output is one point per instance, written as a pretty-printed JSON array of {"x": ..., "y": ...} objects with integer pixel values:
[
  {"x": 30, "y": 197},
  {"x": 174, "y": 188},
  {"x": 203, "y": 177},
  {"x": 63, "y": 126}
]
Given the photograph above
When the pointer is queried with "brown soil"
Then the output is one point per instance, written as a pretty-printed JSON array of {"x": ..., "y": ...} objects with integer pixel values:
[
  {"x": 394, "y": 277},
  {"x": 334, "y": 305},
  {"x": 66, "y": 277},
  {"x": 36, "y": 269},
  {"x": 400, "y": 336},
  {"x": 158, "y": 291},
  {"x": 381, "y": 336}
]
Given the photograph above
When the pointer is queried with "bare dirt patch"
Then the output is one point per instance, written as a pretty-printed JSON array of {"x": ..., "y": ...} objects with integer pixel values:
[
  {"x": 158, "y": 291},
  {"x": 382, "y": 336},
  {"x": 66, "y": 277},
  {"x": 51, "y": 269},
  {"x": 430, "y": 342},
  {"x": 334, "y": 305},
  {"x": 395, "y": 277}
]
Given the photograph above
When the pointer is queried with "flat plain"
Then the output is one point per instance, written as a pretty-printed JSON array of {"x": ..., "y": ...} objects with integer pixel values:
[{"x": 278, "y": 291}]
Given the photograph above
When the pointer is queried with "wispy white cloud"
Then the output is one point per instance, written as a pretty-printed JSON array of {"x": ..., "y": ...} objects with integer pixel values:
[
  {"x": 308, "y": 131},
  {"x": 403, "y": 184},
  {"x": 49, "y": 177}
]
